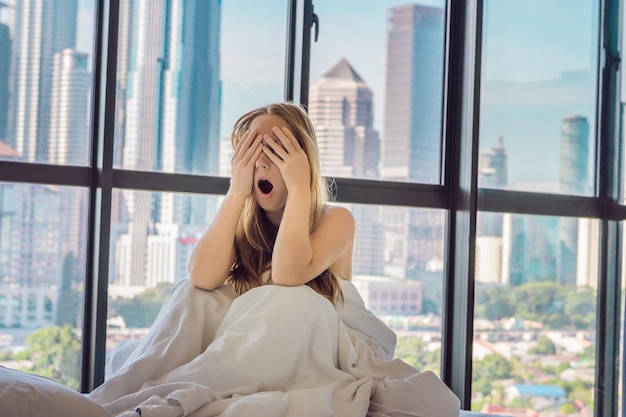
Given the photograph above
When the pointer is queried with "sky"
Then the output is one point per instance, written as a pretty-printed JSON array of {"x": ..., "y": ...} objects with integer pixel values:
[{"x": 527, "y": 45}]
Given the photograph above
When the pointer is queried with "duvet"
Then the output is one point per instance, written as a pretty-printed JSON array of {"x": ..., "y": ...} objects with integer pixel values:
[{"x": 273, "y": 351}]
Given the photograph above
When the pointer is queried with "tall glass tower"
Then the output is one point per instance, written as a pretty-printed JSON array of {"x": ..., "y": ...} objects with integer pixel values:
[
  {"x": 42, "y": 28},
  {"x": 413, "y": 101},
  {"x": 574, "y": 180},
  {"x": 411, "y": 145},
  {"x": 171, "y": 119}
]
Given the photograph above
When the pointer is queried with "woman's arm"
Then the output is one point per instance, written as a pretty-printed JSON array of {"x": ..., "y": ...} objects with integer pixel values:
[
  {"x": 299, "y": 256},
  {"x": 214, "y": 254}
]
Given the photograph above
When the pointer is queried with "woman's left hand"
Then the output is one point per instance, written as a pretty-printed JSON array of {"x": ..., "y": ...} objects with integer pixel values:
[{"x": 289, "y": 157}]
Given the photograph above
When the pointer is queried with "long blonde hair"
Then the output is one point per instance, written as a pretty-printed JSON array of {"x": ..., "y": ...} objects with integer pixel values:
[{"x": 255, "y": 236}]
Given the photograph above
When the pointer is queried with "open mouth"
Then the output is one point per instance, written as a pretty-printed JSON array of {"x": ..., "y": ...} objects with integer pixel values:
[{"x": 265, "y": 186}]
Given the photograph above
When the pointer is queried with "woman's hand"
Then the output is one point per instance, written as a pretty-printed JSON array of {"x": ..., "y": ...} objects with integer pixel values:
[
  {"x": 244, "y": 157},
  {"x": 290, "y": 158}
]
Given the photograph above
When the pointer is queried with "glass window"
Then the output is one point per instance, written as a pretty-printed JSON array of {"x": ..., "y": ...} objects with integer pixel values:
[
  {"x": 45, "y": 81},
  {"x": 538, "y": 96},
  {"x": 376, "y": 89},
  {"x": 535, "y": 314},
  {"x": 186, "y": 72},
  {"x": 398, "y": 261},
  {"x": 152, "y": 235},
  {"x": 42, "y": 267}
]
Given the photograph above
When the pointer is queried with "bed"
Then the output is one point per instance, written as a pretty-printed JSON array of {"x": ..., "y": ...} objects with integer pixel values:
[{"x": 196, "y": 362}]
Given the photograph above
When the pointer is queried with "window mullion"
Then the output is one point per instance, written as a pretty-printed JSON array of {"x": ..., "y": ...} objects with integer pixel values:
[
  {"x": 99, "y": 221},
  {"x": 461, "y": 136}
]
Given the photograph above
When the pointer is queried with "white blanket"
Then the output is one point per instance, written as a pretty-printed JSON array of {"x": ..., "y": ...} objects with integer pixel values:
[{"x": 273, "y": 351}]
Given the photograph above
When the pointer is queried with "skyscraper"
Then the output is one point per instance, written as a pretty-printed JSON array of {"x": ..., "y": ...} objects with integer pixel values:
[
  {"x": 172, "y": 112},
  {"x": 411, "y": 146},
  {"x": 492, "y": 173},
  {"x": 413, "y": 101},
  {"x": 341, "y": 108},
  {"x": 68, "y": 140},
  {"x": 492, "y": 169},
  {"x": 42, "y": 28},
  {"x": 574, "y": 180},
  {"x": 5, "y": 71},
  {"x": 30, "y": 251}
]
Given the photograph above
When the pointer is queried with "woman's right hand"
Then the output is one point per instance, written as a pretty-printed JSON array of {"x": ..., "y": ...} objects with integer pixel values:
[{"x": 243, "y": 161}]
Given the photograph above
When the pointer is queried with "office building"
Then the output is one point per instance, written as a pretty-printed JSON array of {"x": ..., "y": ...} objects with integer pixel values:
[
  {"x": 341, "y": 108},
  {"x": 574, "y": 179},
  {"x": 411, "y": 145},
  {"x": 171, "y": 113}
]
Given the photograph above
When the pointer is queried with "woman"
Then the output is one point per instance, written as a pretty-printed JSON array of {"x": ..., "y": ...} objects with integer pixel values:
[
  {"x": 274, "y": 217},
  {"x": 227, "y": 343}
]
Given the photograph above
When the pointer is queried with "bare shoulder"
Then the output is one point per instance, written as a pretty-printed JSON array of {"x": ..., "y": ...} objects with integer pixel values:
[{"x": 339, "y": 216}]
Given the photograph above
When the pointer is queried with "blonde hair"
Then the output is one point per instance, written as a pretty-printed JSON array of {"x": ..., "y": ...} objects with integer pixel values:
[{"x": 255, "y": 236}]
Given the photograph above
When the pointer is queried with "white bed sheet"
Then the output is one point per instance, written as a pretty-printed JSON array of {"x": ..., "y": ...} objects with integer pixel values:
[{"x": 274, "y": 351}]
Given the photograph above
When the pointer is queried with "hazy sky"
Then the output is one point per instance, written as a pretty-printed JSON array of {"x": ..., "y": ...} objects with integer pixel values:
[{"x": 531, "y": 41}]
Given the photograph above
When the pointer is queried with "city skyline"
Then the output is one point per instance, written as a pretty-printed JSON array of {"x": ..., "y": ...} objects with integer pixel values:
[{"x": 568, "y": 50}]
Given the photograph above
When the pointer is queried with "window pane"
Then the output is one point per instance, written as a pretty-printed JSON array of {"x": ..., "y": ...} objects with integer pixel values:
[
  {"x": 398, "y": 270},
  {"x": 538, "y": 95},
  {"x": 186, "y": 72},
  {"x": 45, "y": 80},
  {"x": 152, "y": 235},
  {"x": 535, "y": 314},
  {"x": 376, "y": 89},
  {"x": 42, "y": 274}
]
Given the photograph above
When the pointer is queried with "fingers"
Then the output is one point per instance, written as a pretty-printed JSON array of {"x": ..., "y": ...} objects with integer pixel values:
[
  {"x": 249, "y": 147},
  {"x": 274, "y": 149},
  {"x": 286, "y": 143},
  {"x": 288, "y": 140}
]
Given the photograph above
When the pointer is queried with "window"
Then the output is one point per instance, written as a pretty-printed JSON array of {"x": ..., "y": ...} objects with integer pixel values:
[
  {"x": 460, "y": 190},
  {"x": 45, "y": 81},
  {"x": 545, "y": 73},
  {"x": 535, "y": 310}
]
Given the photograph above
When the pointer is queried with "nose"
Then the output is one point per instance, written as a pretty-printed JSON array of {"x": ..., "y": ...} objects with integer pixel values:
[{"x": 262, "y": 162}]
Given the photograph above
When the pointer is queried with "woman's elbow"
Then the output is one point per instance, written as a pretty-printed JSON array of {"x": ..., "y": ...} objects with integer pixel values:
[
  {"x": 288, "y": 279},
  {"x": 200, "y": 280}
]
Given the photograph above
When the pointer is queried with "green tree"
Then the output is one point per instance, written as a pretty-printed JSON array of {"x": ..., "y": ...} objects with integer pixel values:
[
  {"x": 544, "y": 346},
  {"x": 413, "y": 351},
  {"x": 141, "y": 310},
  {"x": 490, "y": 368},
  {"x": 55, "y": 353},
  {"x": 541, "y": 301},
  {"x": 69, "y": 298},
  {"x": 494, "y": 303},
  {"x": 580, "y": 308}
]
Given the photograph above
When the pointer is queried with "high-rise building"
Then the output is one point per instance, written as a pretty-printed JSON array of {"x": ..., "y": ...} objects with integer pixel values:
[
  {"x": 30, "y": 252},
  {"x": 68, "y": 135},
  {"x": 574, "y": 180},
  {"x": 492, "y": 166},
  {"x": 341, "y": 108},
  {"x": 172, "y": 112},
  {"x": 5, "y": 71},
  {"x": 411, "y": 145},
  {"x": 574, "y": 177},
  {"x": 68, "y": 144},
  {"x": 492, "y": 173},
  {"x": 413, "y": 103},
  {"x": 42, "y": 28}
]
